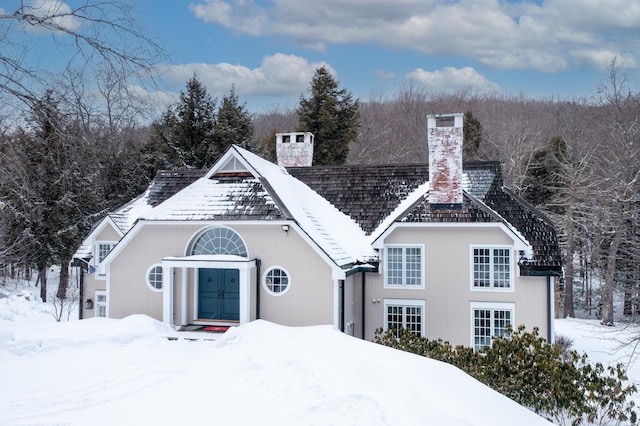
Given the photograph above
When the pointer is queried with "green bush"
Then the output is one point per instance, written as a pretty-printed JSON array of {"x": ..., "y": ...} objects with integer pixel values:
[{"x": 548, "y": 379}]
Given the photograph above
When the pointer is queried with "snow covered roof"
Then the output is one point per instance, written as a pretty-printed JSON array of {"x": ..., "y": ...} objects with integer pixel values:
[
  {"x": 377, "y": 196},
  {"x": 237, "y": 198},
  {"x": 243, "y": 186},
  {"x": 343, "y": 209},
  {"x": 126, "y": 216}
]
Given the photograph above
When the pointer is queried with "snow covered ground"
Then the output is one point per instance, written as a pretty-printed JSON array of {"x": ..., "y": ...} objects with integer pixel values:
[{"x": 126, "y": 372}]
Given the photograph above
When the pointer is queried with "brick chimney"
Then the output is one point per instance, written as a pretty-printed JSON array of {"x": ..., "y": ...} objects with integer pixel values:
[
  {"x": 444, "y": 136},
  {"x": 294, "y": 149}
]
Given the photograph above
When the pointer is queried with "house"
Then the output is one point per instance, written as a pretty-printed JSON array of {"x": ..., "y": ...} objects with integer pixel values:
[{"x": 442, "y": 249}]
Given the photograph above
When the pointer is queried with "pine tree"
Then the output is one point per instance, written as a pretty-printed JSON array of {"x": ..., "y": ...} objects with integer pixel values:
[
  {"x": 184, "y": 135},
  {"x": 233, "y": 126},
  {"x": 331, "y": 115},
  {"x": 472, "y": 134},
  {"x": 48, "y": 192},
  {"x": 544, "y": 178}
]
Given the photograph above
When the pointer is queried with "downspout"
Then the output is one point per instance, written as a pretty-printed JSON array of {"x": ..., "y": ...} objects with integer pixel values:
[
  {"x": 342, "y": 306},
  {"x": 549, "y": 310},
  {"x": 363, "y": 301},
  {"x": 258, "y": 262},
  {"x": 81, "y": 284}
]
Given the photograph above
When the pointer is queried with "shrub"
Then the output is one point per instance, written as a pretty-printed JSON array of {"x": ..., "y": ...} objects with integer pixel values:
[{"x": 549, "y": 379}]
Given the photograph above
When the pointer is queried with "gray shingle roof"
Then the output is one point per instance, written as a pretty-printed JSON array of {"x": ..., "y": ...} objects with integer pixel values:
[{"x": 370, "y": 193}]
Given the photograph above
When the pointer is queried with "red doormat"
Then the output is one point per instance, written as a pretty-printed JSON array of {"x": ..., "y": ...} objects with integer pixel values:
[{"x": 216, "y": 328}]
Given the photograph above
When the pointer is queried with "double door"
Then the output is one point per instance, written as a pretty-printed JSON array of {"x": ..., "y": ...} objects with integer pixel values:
[{"x": 219, "y": 294}]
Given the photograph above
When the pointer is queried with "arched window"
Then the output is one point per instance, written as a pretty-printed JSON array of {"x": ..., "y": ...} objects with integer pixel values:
[{"x": 219, "y": 241}]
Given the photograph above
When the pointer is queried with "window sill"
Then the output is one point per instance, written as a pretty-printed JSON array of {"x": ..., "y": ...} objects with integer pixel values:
[{"x": 404, "y": 287}]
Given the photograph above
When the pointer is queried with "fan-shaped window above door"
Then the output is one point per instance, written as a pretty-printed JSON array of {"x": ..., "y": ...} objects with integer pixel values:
[{"x": 219, "y": 241}]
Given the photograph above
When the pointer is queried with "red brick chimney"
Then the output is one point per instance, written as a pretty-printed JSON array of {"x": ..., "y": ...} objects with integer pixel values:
[{"x": 444, "y": 136}]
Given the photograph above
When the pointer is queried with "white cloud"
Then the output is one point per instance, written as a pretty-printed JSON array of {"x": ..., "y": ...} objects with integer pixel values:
[
  {"x": 277, "y": 75},
  {"x": 601, "y": 59},
  {"x": 550, "y": 36},
  {"x": 452, "y": 79}
]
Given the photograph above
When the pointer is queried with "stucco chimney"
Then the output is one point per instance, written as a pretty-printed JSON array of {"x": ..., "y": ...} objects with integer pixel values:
[
  {"x": 294, "y": 149},
  {"x": 444, "y": 135}
]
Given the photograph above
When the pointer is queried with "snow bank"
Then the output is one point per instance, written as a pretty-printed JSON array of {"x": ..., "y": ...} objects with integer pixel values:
[{"x": 105, "y": 372}]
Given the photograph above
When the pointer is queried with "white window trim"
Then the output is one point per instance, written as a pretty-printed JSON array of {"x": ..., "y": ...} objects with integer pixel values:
[
  {"x": 422, "y": 267},
  {"x": 501, "y": 306},
  {"x": 509, "y": 289},
  {"x": 96, "y": 303},
  {"x": 146, "y": 278},
  {"x": 264, "y": 281},
  {"x": 405, "y": 302},
  {"x": 97, "y": 249},
  {"x": 101, "y": 273}
]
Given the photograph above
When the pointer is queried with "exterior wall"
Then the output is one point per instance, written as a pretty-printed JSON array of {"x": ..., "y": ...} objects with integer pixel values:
[
  {"x": 89, "y": 292},
  {"x": 308, "y": 301},
  {"x": 357, "y": 300},
  {"x": 447, "y": 293},
  {"x": 91, "y": 284},
  {"x": 128, "y": 290},
  {"x": 349, "y": 307}
]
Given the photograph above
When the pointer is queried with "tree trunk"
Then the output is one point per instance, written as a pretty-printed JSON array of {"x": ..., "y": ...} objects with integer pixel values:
[
  {"x": 610, "y": 273},
  {"x": 42, "y": 277},
  {"x": 568, "y": 277},
  {"x": 64, "y": 280}
]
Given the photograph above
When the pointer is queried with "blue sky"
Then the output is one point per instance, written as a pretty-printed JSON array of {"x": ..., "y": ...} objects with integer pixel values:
[{"x": 270, "y": 49}]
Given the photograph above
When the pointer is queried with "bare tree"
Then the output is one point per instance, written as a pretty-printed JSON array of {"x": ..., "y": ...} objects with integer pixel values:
[
  {"x": 95, "y": 35},
  {"x": 619, "y": 172}
]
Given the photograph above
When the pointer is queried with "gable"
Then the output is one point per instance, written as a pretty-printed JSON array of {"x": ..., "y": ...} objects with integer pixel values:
[
  {"x": 374, "y": 196},
  {"x": 105, "y": 230}
]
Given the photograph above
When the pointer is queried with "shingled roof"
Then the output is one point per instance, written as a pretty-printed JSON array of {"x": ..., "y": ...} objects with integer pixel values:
[
  {"x": 366, "y": 194},
  {"x": 168, "y": 182},
  {"x": 369, "y": 194}
]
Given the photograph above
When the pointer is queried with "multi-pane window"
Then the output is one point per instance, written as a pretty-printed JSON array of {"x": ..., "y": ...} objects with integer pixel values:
[
  {"x": 404, "y": 314},
  {"x": 276, "y": 280},
  {"x": 101, "y": 304},
  {"x": 219, "y": 241},
  {"x": 491, "y": 267},
  {"x": 102, "y": 250},
  {"x": 490, "y": 322},
  {"x": 404, "y": 266},
  {"x": 154, "y": 277}
]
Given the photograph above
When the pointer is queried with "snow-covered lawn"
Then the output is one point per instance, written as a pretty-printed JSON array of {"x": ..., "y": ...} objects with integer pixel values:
[{"x": 126, "y": 372}]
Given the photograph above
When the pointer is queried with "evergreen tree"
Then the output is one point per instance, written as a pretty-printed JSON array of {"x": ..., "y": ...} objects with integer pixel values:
[
  {"x": 48, "y": 193},
  {"x": 544, "y": 174},
  {"x": 331, "y": 115},
  {"x": 472, "y": 134},
  {"x": 184, "y": 135},
  {"x": 233, "y": 126}
]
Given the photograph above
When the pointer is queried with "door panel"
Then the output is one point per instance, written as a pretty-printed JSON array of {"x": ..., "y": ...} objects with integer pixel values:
[{"x": 219, "y": 294}]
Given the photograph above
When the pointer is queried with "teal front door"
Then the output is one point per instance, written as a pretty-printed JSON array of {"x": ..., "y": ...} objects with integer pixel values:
[{"x": 219, "y": 294}]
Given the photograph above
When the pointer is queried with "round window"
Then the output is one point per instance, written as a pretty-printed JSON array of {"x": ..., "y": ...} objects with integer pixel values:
[
  {"x": 276, "y": 281},
  {"x": 154, "y": 277}
]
